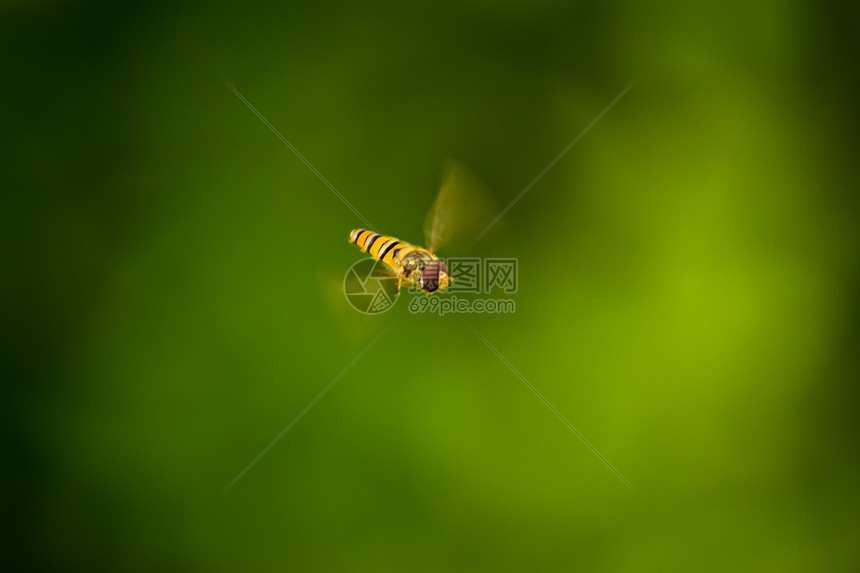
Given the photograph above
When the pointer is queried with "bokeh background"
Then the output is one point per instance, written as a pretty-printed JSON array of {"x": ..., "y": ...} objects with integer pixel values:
[{"x": 688, "y": 279}]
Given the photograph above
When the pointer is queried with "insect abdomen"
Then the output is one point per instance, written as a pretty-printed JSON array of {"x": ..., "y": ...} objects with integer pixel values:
[{"x": 379, "y": 246}]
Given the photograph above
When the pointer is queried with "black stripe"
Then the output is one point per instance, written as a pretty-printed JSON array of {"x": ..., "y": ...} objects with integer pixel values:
[
  {"x": 358, "y": 238},
  {"x": 358, "y": 233},
  {"x": 370, "y": 244},
  {"x": 382, "y": 254},
  {"x": 396, "y": 252}
]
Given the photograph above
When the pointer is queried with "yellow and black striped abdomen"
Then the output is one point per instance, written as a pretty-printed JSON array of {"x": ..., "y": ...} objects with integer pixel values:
[{"x": 385, "y": 249}]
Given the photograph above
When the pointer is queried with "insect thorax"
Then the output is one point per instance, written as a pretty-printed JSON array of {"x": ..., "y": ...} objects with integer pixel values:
[{"x": 415, "y": 261}]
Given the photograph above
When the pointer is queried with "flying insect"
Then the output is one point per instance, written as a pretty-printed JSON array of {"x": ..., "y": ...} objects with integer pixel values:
[{"x": 459, "y": 209}]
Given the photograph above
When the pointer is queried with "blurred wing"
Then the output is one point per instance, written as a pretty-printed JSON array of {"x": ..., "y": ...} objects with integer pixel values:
[{"x": 460, "y": 212}]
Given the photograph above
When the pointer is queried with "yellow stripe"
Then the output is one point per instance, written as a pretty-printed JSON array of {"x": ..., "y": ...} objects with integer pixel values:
[
  {"x": 362, "y": 238},
  {"x": 389, "y": 249},
  {"x": 379, "y": 244},
  {"x": 375, "y": 247},
  {"x": 368, "y": 240}
]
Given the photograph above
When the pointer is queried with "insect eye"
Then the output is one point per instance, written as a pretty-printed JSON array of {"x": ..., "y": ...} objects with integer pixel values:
[{"x": 430, "y": 276}]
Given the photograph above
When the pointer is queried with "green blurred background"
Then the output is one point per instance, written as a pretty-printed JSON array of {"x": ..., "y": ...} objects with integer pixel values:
[{"x": 688, "y": 287}]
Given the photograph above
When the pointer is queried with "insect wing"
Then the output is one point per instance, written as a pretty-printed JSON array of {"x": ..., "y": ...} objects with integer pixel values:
[{"x": 462, "y": 209}]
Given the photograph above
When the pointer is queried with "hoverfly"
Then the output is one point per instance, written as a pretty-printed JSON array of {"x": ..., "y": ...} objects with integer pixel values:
[{"x": 460, "y": 207}]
